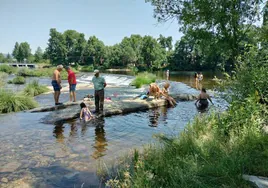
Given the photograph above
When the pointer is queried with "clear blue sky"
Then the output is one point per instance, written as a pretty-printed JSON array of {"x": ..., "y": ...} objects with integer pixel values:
[{"x": 109, "y": 20}]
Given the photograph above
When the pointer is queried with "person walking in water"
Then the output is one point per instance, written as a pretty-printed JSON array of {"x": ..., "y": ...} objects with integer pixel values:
[
  {"x": 167, "y": 74},
  {"x": 56, "y": 83},
  {"x": 72, "y": 84},
  {"x": 202, "y": 100},
  {"x": 99, "y": 85}
]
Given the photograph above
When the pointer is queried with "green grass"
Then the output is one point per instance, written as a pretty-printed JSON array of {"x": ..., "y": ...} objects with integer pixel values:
[
  {"x": 7, "y": 69},
  {"x": 3, "y": 77},
  {"x": 143, "y": 79},
  {"x": 14, "y": 102},
  {"x": 89, "y": 68},
  {"x": 34, "y": 89},
  {"x": 17, "y": 80},
  {"x": 214, "y": 151}
]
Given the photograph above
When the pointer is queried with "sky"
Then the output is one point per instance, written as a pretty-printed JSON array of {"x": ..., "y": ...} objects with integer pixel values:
[{"x": 109, "y": 20}]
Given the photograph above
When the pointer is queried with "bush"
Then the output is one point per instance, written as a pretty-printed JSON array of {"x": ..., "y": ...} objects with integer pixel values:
[
  {"x": 143, "y": 79},
  {"x": 13, "y": 102},
  {"x": 7, "y": 69},
  {"x": 212, "y": 152},
  {"x": 34, "y": 89},
  {"x": 3, "y": 77},
  {"x": 88, "y": 68},
  {"x": 26, "y": 72},
  {"x": 17, "y": 80}
]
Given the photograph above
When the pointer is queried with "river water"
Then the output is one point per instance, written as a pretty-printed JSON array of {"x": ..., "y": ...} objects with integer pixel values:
[{"x": 35, "y": 154}]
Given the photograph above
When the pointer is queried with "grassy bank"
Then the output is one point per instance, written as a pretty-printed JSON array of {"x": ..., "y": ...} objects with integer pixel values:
[
  {"x": 214, "y": 150},
  {"x": 143, "y": 79},
  {"x": 17, "y": 80},
  {"x": 34, "y": 89},
  {"x": 14, "y": 102}
]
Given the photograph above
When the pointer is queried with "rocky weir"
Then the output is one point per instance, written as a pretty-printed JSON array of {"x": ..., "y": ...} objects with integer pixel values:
[{"x": 69, "y": 111}]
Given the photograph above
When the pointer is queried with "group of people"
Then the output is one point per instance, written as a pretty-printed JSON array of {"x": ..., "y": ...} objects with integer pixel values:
[{"x": 99, "y": 85}]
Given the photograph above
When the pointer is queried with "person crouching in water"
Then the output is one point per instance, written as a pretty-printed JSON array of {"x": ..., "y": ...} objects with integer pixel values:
[
  {"x": 165, "y": 94},
  {"x": 85, "y": 113},
  {"x": 202, "y": 100}
]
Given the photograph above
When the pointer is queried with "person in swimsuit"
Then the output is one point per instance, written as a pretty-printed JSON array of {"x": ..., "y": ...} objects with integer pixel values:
[
  {"x": 154, "y": 90},
  {"x": 56, "y": 83},
  {"x": 85, "y": 113},
  {"x": 165, "y": 94},
  {"x": 202, "y": 100}
]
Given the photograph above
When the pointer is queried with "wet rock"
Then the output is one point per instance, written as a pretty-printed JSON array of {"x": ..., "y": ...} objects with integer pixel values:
[
  {"x": 50, "y": 153},
  {"x": 61, "y": 154},
  {"x": 4, "y": 180},
  {"x": 20, "y": 146},
  {"x": 10, "y": 167},
  {"x": 71, "y": 175}
]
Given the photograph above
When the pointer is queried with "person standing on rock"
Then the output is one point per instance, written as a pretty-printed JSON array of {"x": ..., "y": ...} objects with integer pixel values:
[
  {"x": 99, "y": 85},
  {"x": 72, "y": 84},
  {"x": 56, "y": 83}
]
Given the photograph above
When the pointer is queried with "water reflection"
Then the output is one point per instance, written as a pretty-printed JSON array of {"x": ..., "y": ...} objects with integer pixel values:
[
  {"x": 153, "y": 117},
  {"x": 58, "y": 133},
  {"x": 100, "y": 139}
]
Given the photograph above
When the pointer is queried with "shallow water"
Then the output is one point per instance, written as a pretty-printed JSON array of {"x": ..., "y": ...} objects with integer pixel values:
[{"x": 66, "y": 155}]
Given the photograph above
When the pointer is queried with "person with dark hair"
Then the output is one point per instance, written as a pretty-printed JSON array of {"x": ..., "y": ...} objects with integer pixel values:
[
  {"x": 72, "y": 83},
  {"x": 85, "y": 113},
  {"x": 56, "y": 83},
  {"x": 202, "y": 100}
]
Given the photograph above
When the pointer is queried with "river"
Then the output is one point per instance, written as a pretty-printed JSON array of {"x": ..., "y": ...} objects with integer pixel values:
[{"x": 35, "y": 154}]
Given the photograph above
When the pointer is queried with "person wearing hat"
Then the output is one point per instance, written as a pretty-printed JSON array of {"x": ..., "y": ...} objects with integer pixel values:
[
  {"x": 99, "y": 85},
  {"x": 72, "y": 83},
  {"x": 56, "y": 83}
]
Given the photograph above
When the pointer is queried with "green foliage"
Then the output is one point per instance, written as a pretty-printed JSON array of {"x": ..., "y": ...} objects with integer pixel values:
[
  {"x": 34, "y": 89},
  {"x": 56, "y": 50},
  {"x": 218, "y": 26},
  {"x": 26, "y": 72},
  {"x": 14, "y": 102},
  {"x": 38, "y": 56},
  {"x": 86, "y": 68},
  {"x": 3, "y": 77},
  {"x": 7, "y": 69},
  {"x": 95, "y": 51},
  {"x": 143, "y": 79},
  {"x": 21, "y": 51},
  {"x": 214, "y": 151},
  {"x": 17, "y": 80}
]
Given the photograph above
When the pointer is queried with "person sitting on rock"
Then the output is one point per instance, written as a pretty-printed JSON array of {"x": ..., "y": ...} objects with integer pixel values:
[
  {"x": 154, "y": 90},
  {"x": 165, "y": 94},
  {"x": 85, "y": 113}
]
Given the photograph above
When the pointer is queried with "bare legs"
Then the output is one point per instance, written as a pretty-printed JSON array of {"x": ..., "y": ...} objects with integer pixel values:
[
  {"x": 56, "y": 96},
  {"x": 72, "y": 96}
]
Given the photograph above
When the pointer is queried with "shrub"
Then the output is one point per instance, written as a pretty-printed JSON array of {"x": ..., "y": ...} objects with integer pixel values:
[
  {"x": 143, "y": 79},
  {"x": 26, "y": 72},
  {"x": 3, "y": 77},
  {"x": 7, "y": 69},
  {"x": 14, "y": 102},
  {"x": 34, "y": 89},
  {"x": 17, "y": 80},
  {"x": 88, "y": 68}
]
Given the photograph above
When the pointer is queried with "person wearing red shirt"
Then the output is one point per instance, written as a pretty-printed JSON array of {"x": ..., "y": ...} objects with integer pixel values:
[{"x": 72, "y": 84}]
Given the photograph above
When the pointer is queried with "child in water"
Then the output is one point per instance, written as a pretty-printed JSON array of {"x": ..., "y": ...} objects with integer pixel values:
[{"x": 85, "y": 113}]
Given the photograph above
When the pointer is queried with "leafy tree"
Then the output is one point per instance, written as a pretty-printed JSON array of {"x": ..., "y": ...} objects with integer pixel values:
[
  {"x": 9, "y": 58},
  {"x": 152, "y": 53},
  {"x": 2, "y": 58},
  {"x": 16, "y": 50},
  {"x": 56, "y": 50},
  {"x": 165, "y": 42},
  {"x": 38, "y": 56},
  {"x": 95, "y": 51},
  {"x": 224, "y": 18}
]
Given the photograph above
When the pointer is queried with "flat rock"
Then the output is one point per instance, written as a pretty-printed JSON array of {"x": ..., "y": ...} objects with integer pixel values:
[
  {"x": 4, "y": 180},
  {"x": 261, "y": 182},
  {"x": 10, "y": 167}
]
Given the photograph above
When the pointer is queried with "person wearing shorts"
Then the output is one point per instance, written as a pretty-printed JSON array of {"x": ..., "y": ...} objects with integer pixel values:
[
  {"x": 56, "y": 83},
  {"x": 72, "y": 84}
]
